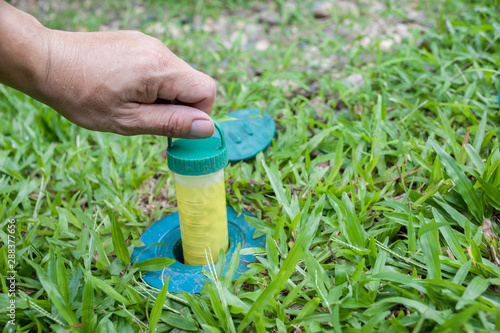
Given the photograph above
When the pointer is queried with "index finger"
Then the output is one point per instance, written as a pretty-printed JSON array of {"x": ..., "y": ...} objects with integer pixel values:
[{"x": 188, "y": 86}]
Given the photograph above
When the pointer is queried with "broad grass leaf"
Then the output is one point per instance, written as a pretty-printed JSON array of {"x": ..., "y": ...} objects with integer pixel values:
[
  {"x": 476, "y": 253},
  {"x": 359, "y": 270},
  {"x": 308, "y": 308},
  {"x": 178, "y": 321},
  {"x": 449, "y": 132},
  {"x": 431, "y": 226},
  {"x": 430, "y": 247},
  {"x": 62, "y": 277},
  {"x": 279, "y": 191},
  {"x": 217, "y": 308},
  {"x": 462, "y": 272},
  {"x": 118, "y": 240},
  {"x": 373, "y": 321},
  {"x": 154, "y": 264},
  {"x": 108, "y": 289},
  {"x": 475, "y": 158},
  {"x": 476, "y": 288},
  {"x": 480, "y": 132},
  {"x": 421, "y": 307},
  {"x": 491, "y": 191},
  {"x": 157, "y": 309},
  {"x": 455, "y": 322},
  {"x": 271, "y": 252},
  {"x": 97, "y": 243},
  {"x": 450, "y": 237},
  {"x": 259, "y": 324},
  {"x": 378, "y": 267},
  {"x": 57, "y": 299},
  {"x": 351, "y": 227},
  {"x": 287, "y": 268},
  {"x": 412, "y": 239},
  {"x": 203, "y": 316},
  {"x": 231, "y": 268},
  {"x": 210, "y": 329},
  {"x": 318, "y": 276},
  {"x": 462, "y": 183},
  {"x": 87, "y": 307}
]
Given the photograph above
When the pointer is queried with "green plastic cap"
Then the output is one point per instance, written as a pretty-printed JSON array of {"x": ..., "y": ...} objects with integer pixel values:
[{"x": 197, "y": 157}]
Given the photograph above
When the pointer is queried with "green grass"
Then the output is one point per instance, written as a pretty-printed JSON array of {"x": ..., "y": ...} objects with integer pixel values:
[{"x": 381, "y": 205}]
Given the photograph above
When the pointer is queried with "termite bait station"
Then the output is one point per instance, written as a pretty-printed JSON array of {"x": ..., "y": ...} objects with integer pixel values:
[{"x": 203, "y": 221}]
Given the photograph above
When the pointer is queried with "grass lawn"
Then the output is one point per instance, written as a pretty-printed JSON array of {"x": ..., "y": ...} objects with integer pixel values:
[{"x": 380, "y": 195}]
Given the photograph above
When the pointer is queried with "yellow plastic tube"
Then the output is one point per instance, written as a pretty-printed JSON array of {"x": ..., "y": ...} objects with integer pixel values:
[{"x": 203, "y": 219}]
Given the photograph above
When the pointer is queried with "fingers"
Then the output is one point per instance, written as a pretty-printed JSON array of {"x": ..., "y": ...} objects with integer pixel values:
[
  {"x": 176, "y": 121},
  {"x": 188, "y": 86}
]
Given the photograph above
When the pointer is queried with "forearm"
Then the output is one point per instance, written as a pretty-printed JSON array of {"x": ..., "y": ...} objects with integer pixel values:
[{"x": 23, "y": 50}]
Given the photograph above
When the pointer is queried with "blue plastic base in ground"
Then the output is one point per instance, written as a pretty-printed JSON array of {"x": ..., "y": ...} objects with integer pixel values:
[{"x": 189, "y": 278}]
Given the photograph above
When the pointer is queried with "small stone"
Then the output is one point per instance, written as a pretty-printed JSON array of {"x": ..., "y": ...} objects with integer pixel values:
[
  {"x": 417, "y": 16},
  {"x": 212, "y": 26},
  {"x": 355, "y": 80},
  {"x": 397, "y": 38},
  {"x": 174, "y": 31},
  {"x": 211, "y": 45},
  {"x": 157, "y": 28},
  {"x": 269, "y": 16},
  {"x": 386, "y": 44},
  {"x": 366, "y": 57},
  {"x": 322, "y": 9},
  {"x": 365, "y": 41},
  {"x": 262, "y": 44},
  {"x": 376, "y": 7},
  {"x": 402, "y": 30},
  {"x": 375, "y": 28},
  {"x": 344, "y": 8},
  {"x": 254, "y": 30},
  {"x": 332, "y": 29},
  {"x": 288, "y": 86},
  {"x": 234, "y": 37}
]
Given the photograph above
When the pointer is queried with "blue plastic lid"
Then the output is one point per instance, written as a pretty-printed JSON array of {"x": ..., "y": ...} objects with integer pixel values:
[{"x": 248, "y": 133}]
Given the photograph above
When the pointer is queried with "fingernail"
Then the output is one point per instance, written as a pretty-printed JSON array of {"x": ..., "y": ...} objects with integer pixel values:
[{"x": 201, "y": 129}]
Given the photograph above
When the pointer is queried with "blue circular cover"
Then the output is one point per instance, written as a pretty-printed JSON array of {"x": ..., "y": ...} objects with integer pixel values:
[
  {"x": 184, "y": 277},
  {"x": 248, "y": 133}
]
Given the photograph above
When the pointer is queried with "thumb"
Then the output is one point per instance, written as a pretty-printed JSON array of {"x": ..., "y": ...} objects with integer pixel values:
[{"x": 176, "y": 121}]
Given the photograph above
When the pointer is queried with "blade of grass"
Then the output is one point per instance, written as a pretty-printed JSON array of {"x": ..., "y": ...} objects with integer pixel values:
[
  {"x": 88, "y": 307},
  {"x": 104, "y": 286},
  {"x": 277, "y": 186},
  {"x": 462, "y": 183},
  {"x": 154, "y": 264},
  {"x": 57, "y": 299},
  {"x": 231, "y": 268},
  {"x": 475, "y": 288},
  {"x": 430, "y": 247},
  {"x": 480, "y": 132},
  {"x": 284, "y": 273},
  {"x": 118, "y": 240},
  {"x": 158, "y": 307}
]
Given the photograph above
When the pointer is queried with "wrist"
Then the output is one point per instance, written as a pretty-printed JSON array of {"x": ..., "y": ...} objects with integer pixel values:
[{"x": 24, "y": 48}]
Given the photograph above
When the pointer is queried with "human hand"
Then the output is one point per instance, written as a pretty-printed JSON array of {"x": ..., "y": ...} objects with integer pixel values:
[
  {"x": 107, "y": 81},
  {"x": 110, "y": 81}
]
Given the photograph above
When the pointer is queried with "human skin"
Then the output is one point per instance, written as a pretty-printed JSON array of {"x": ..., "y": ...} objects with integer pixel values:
[{"x": 123, "y": 82}]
